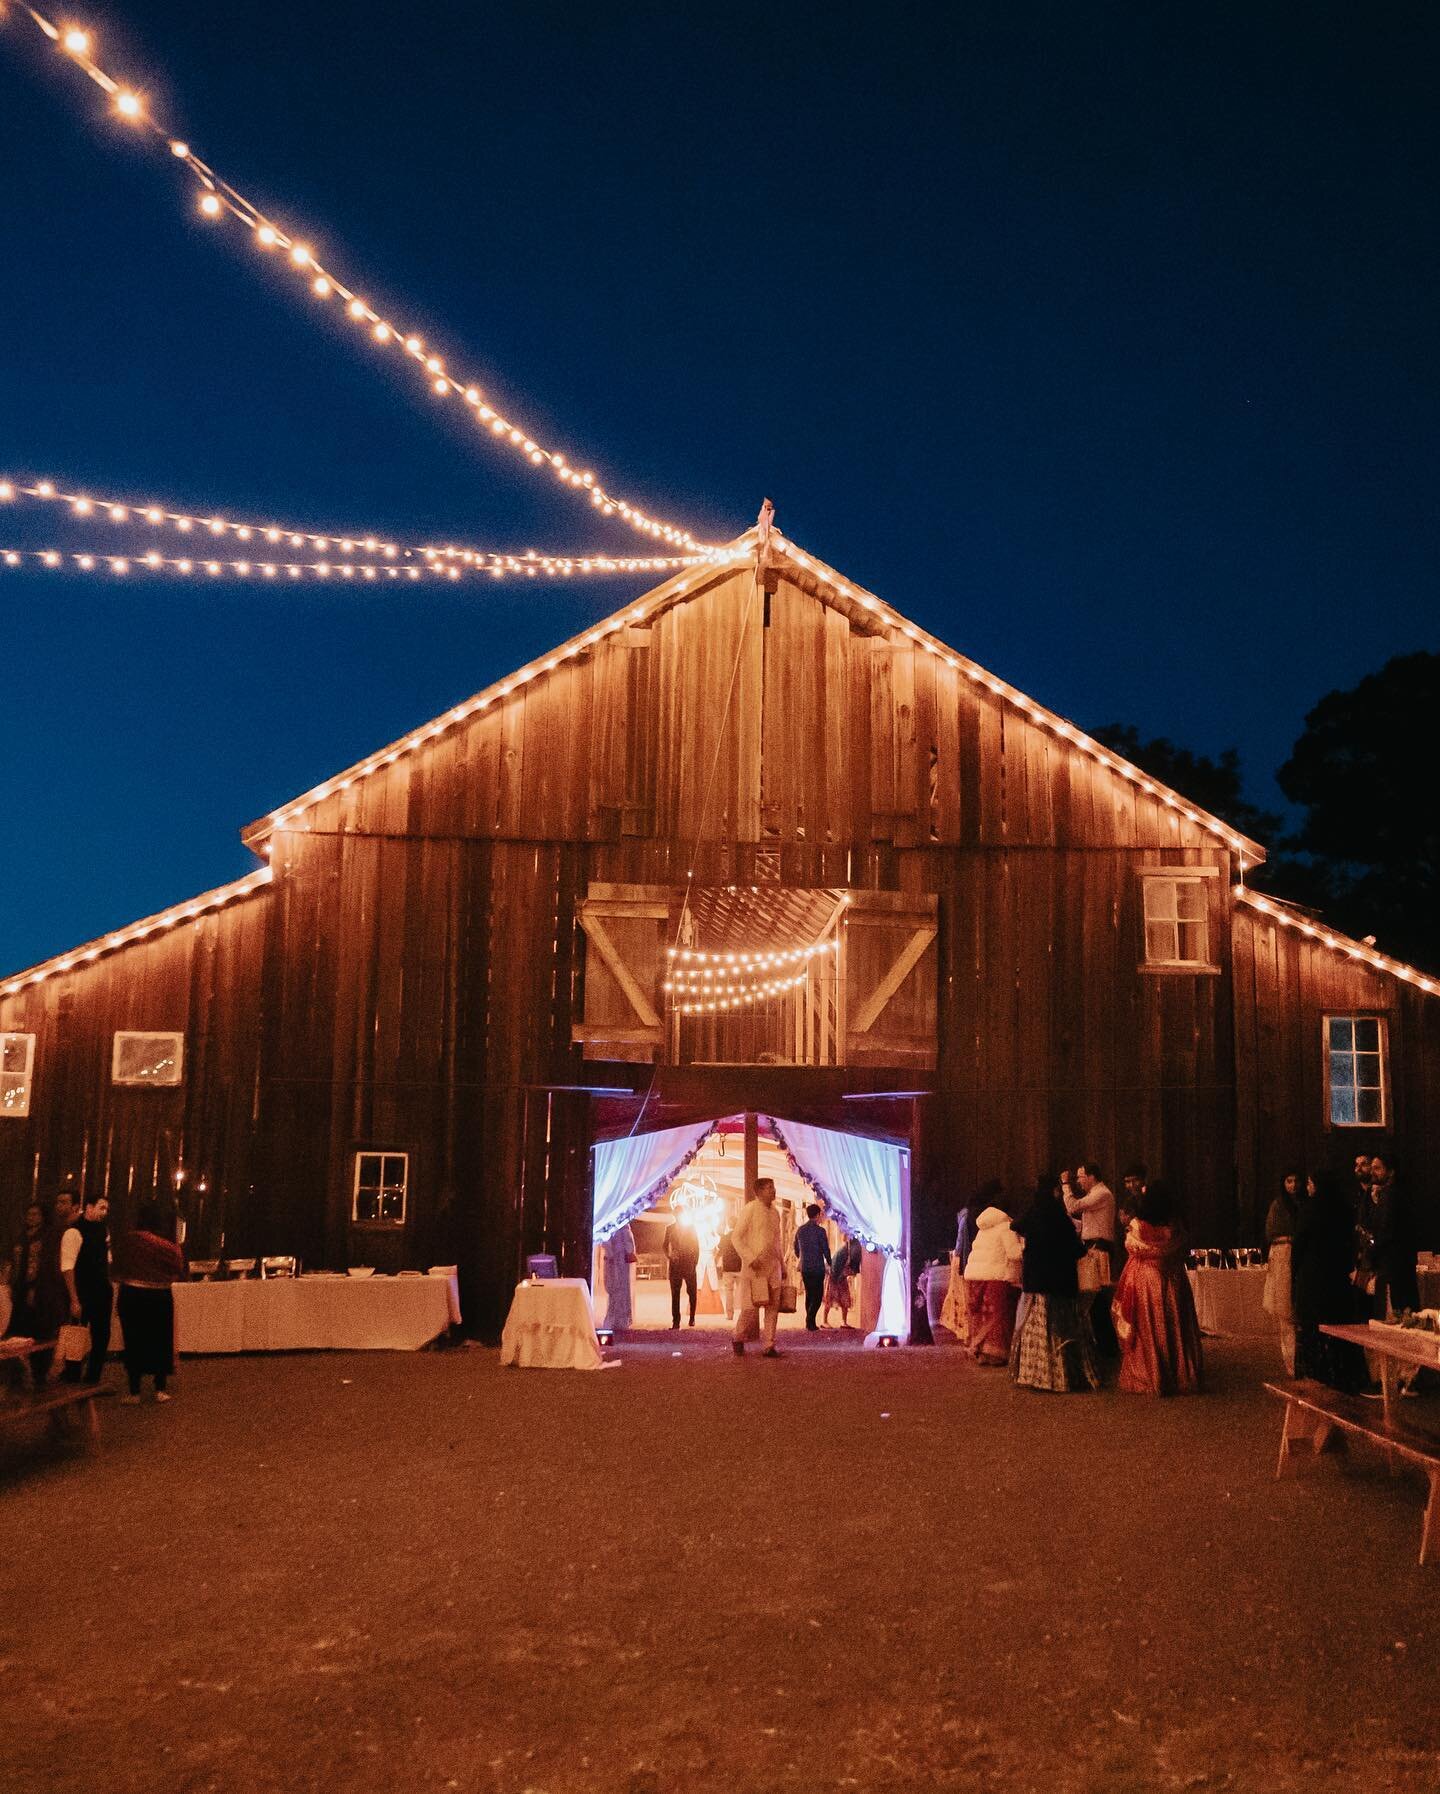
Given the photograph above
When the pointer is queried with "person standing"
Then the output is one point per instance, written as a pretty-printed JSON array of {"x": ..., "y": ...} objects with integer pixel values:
[
  {"x": 992, "y": 1287},
  {"x": 1053, "y": 1347},
  {"x": 1154, "y": 1310},
  {"x": 73, "y": 1345},
  {"x": 1280, "y": 1222},
  {"x": 1094, "y": 1209},
  {"x": 619, "y": 1251},
  {"x": 682, "y": 1255},
  {"x": 1322, "y": 1261},
  {"x": 1133, "y": 1184},
  {"x": 756, "y": 1238},
  {"x": 812, "y": 1249},
  {"x": 37, "y": 1292},
  {"x": 92, "y": 1280},
  {"x": 148, "y": 1264},
  {"x": 1397, "y": 1286},
  {"x": 844, "y": 1263}
]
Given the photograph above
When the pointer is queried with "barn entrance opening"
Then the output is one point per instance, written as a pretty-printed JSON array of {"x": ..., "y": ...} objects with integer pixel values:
[{"x": 688, "y": 1185}]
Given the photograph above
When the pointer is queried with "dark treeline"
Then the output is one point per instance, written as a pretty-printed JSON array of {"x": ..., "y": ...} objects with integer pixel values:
[{"x": 1364, "y": 777}]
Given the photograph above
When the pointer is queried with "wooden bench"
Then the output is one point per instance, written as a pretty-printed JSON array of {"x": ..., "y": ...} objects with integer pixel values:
[
  {"x": 59, "y": 1403},
  {"x": 1321, "y": 1417}
]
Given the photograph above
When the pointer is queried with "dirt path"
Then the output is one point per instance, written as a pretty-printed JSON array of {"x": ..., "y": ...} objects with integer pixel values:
[{"x": 415, "y": 1573}]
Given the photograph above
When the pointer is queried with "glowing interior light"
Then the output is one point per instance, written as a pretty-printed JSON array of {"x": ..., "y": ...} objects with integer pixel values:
[
  {"x": 357, "y": 308},
  {"x": 320, "y": 286},
  {"x": 266, "y": 235},
  {"x": 177, "y": 148},
  {"x": 128, "y": 105},
  {"x": 77, "y": 42},
  {"x": 381, "y": 333},
  {"x": 210, "y": 206},
  {"x": 300, "y": 255}
]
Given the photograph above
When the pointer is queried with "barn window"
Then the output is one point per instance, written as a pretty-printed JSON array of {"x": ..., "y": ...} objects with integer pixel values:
[
  {"x": 157, "y": 1059},
  {"x": 17, "y": 1066},
  {"x": 1177, "y": 920},
  {"x": 1355, "y": 1069},
  {"x": 381, "y": 1181}
]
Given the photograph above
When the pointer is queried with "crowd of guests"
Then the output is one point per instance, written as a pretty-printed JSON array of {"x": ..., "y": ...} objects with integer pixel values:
[
  {"x": 1339, "y": 1248},
  {"x": 66, "y": 1283},
  {"x": 1039, "y": 1290}
]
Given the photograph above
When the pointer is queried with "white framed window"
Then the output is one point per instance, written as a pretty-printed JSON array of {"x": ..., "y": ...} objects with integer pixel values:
[
  {"x": 143, "y": 1058},
  {"x": 1356, "y": 1071},
  {"x": 17, "y": 1073},
  {"x": 1177, "y": 919},
  {"x": 382, "y": 1180}
]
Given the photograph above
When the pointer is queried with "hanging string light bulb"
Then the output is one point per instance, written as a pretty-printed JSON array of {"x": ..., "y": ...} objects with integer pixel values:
[{"x": 219, "y": 201}]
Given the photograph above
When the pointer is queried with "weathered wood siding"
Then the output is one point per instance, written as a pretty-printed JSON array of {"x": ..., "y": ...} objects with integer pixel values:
[
  {"x": 1286, "y": 983},
  {"x": 203, "y": 977},
  {"x": 411, "y": 978}
]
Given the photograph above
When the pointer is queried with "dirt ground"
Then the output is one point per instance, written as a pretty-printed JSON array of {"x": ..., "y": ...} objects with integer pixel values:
[{"x": 876, "y": 1571}]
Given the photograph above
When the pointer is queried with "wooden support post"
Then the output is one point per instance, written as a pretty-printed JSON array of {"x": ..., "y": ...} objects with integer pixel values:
[{"x": 752, "y": 1154}]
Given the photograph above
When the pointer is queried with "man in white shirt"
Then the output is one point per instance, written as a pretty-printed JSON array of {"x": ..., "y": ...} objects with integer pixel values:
[
  {"x": 756, "y": 1237},
  {"x": 1095, "y": 1208},
  {"x": 68, "y": 1210}
]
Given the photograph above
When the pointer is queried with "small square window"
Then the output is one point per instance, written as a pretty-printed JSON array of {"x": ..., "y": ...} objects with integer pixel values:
[
  {"x": 156, "y": 1059},
  {"x": 17, "y": 1066},
  {"x": 381, "y": 1183},
  {"x": 1355, "y": 1070},
  {"x": 1177, "y": 929}
]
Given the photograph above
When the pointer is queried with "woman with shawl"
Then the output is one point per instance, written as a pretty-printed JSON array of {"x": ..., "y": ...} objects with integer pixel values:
[
  {"x": 1053, "y": 1347},
  {"x": 1153, "y": 1308},
  {"x": 147, "y": 1263},
  {"x": 992, "y": 1287}
]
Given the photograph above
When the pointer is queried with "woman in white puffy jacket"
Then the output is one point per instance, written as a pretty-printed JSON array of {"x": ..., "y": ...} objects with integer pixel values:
[{"x": 992, "y": 1286}]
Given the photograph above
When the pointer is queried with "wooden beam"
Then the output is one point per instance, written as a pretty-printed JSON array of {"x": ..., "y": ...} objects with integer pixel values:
[
  {"x": 624, "y": 977},
  {"x": 906, "y": 962},
  {"x": 584, "y": 1032}
]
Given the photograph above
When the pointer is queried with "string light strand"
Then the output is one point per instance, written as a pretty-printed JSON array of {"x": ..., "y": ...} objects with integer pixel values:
[
  {"x": 218, "y": 200},
  {"x": 87, "y": 508}
]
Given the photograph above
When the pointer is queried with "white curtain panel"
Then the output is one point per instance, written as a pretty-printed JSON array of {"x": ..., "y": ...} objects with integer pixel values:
[
  {"x": 862, "y": 1183},
  {"x": 629, "y": 1173}
]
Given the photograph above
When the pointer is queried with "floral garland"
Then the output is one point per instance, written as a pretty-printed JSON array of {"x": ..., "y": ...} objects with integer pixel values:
[
  {"x": 837, "y": 1209},
  {"x": 651, "y": 1191}
]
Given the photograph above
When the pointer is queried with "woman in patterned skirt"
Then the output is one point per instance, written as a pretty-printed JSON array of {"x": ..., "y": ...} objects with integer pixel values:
[{"x": 1053, "y": 1347}]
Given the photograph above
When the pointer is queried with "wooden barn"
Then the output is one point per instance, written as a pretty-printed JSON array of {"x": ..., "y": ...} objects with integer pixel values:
[{"x": 754, "y": 844}]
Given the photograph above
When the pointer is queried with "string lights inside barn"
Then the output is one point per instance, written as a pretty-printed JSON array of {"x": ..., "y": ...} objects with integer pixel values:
[{"x": 219, "y": 201}]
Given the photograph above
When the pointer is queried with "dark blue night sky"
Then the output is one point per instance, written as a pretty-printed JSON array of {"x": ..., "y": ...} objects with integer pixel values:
[{"x": 1099, "y": 339}]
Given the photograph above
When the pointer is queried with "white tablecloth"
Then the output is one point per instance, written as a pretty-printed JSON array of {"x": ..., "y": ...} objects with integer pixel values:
[
  {"x": 296, "y": 1314},
  {"x": 1232, "y": 1302},
  {"x": 551, "y": 1327}
]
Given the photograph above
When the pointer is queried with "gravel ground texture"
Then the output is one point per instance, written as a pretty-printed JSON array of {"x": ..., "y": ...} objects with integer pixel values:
[{"x": 880, "y": 1571}]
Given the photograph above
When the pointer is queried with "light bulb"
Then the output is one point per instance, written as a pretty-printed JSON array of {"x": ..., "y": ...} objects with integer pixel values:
[
  {"x": 128, "y": 105},
  {"x": 210, "y": 206},
  {"x": 177, "y": 148},
  {"x": 266, "y": 235},
  {"x": 300, "y": 255},
  {"x": 320, "y": 287},
  {"x": 77, "y": 42}
]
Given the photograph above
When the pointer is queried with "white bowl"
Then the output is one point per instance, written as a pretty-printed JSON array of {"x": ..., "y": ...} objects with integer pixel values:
[{"x": 361, "y": 1271}]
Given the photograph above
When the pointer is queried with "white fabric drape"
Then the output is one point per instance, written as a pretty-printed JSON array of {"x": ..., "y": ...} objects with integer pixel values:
[
  {"x": 862, "y": 1183},
  {"x": 630, "y": 1172}
]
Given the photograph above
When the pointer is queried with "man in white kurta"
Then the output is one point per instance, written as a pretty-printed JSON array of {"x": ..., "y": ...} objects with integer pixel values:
[
  {"x": 756, "y": 1237},
  {"x": 619, "y": 1251}
]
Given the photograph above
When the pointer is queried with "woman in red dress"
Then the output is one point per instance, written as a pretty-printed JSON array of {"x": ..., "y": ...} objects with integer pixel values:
[{"x": 1153, "y": 1309}]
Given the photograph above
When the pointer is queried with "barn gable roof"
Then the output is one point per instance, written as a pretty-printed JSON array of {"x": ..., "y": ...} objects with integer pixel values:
[{"x": 810, "y": 574}]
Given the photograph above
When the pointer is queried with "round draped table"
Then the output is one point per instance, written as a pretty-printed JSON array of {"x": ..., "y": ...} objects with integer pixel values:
[
  {"x": 1232, "y": 1303},
  {"x": 551, "y": 1327}
]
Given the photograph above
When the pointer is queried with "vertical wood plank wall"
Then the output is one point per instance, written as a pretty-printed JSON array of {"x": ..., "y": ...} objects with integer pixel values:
[{"x": 410, "y": 978}]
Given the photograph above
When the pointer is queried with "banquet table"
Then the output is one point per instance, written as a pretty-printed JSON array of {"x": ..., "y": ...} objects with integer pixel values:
[
  {"x": 315, "y": 1313},
  {"x": 1232, "y": 1303},
  {"x": 551, "y": 1327}
]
